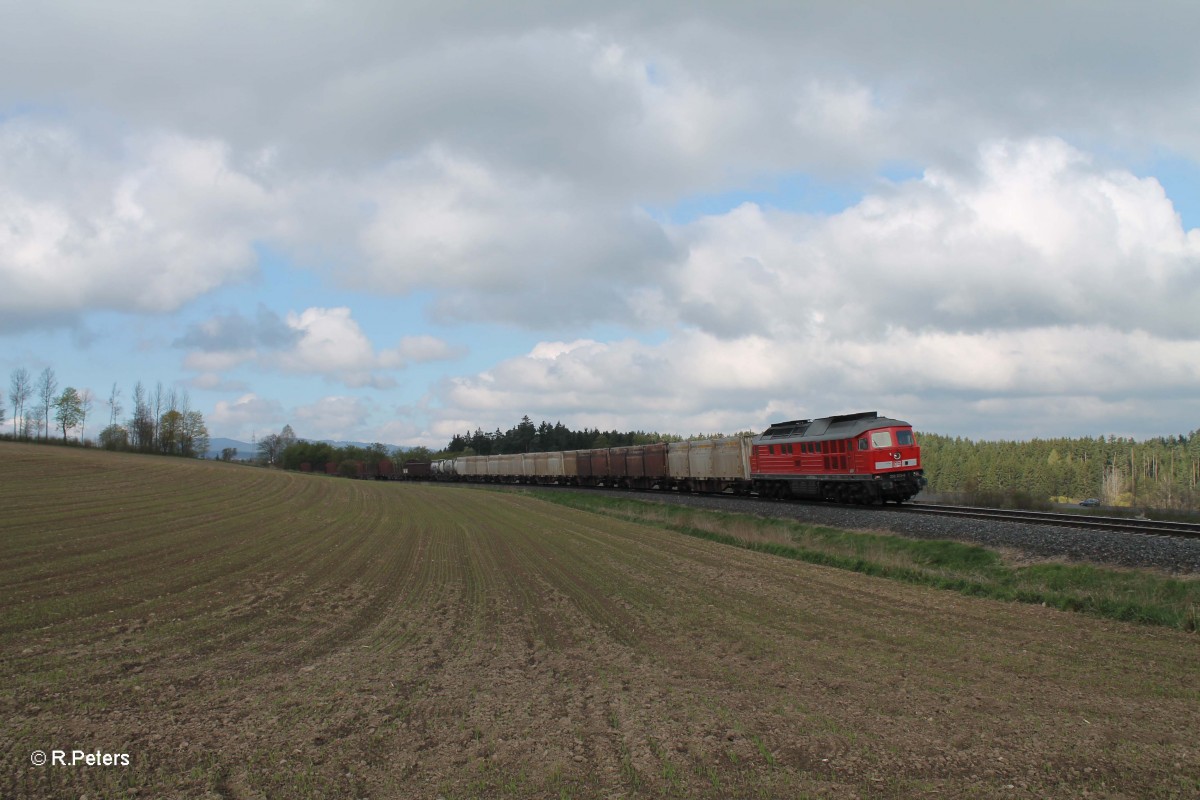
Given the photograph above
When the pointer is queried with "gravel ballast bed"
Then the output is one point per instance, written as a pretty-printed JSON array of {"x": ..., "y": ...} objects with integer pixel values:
[{"x": 1174, "y": 554}]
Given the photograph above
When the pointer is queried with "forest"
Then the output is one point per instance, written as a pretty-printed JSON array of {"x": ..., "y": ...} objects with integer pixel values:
[
  {"x": 1157, "y": 473},
  {"x": 525, "y": 437}
]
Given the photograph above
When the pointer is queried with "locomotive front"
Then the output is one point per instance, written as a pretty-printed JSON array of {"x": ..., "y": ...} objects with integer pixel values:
[{"x": 894, "y": 459}]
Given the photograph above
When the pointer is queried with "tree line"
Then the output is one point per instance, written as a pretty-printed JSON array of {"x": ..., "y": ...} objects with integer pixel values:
[
  {"x": 525, "y": 437},
  {"x": 162, "y": 420},
  {"x": 1163, "y": 472},
  {"x": 287, "y": 451}
]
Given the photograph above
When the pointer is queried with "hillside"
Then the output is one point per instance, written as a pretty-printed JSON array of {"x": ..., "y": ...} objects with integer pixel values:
[{"x": 243, "y": 632}]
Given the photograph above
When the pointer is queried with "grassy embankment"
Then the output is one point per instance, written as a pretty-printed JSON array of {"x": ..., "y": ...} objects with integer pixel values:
[{"x": 1133, "y": 595}]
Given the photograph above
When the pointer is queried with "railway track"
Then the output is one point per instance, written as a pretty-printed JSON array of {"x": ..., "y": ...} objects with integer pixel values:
[
  {"x": 1124, "y": 524},
  {"x": 1147, "y": 527}
]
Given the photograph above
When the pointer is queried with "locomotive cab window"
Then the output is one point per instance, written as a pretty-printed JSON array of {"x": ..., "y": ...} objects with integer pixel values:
[
  {"x": 904, "y": 437},
  {"x": 881, "y": 439},
  {"x": 862, "y": 443}
]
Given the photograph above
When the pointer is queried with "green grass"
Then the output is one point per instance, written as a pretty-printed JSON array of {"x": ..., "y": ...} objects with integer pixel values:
[{"x": 1141, "y": 596}]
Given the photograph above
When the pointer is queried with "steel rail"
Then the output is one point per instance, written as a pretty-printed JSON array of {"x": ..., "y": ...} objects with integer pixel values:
[{"x": 1124, "y": 524}]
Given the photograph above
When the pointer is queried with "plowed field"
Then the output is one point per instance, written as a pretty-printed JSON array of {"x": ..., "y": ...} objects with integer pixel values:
[{"x": 245, "y": 633}]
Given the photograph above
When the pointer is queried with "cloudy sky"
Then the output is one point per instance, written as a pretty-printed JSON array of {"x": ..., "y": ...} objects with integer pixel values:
[{"x": 398, "y": 221}]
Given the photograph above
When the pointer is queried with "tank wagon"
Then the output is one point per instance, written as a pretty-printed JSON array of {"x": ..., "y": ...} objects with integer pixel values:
[{"x": 860, "y": 458}]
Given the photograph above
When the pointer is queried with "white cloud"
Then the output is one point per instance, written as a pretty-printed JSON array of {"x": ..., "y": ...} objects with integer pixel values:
[
  {"x": 505, "y": 170},
  {"x": 498, "y": 244},
  {"x": 248, "y": 412},
  {"x": 327, "y": 342},
  {"x": 1035, "y": 235},
  {"x": 146, "y": 229},
  {"x": 335, "y": 417},
  {"x": 331, "y": 343},
  {"x": 214, "y": 382}
]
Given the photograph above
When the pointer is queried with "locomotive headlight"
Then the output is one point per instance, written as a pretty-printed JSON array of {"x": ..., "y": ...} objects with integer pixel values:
[{"x": 896, "y": 455}]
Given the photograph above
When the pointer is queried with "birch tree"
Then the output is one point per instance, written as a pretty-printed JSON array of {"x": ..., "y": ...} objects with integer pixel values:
[
  {"x": 114, "y": 405},
  {"x": 19, "y": 391},
  {"x": 85, "y": 408},
  {"x": 47, "y": 388}
]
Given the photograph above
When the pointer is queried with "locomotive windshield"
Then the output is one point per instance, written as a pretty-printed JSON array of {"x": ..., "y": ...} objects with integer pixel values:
[
  {"x": 904, "y": 437},
  {"x": 881, "y": 438}
]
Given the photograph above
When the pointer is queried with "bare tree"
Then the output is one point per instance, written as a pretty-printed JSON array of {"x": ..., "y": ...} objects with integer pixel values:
[
  {"x": 156, "y": 408},
  {"x": 269, "y": 448},
  {"x": 85, "y": 408},
  {"x": 20, "y": 388},
  {"x": 169, "y": 405},
  {"x": 114, "y": 404},
  {"x": 47, "y": 388},
  {"x": 141, "y": 426},
  {"x": 1113, "y": 485}
]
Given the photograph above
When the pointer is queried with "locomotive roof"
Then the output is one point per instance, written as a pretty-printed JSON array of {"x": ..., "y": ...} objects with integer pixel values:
[{"x": 844, "y": 426}]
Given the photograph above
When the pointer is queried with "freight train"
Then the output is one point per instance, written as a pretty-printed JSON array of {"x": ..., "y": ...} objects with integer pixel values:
[{"x": 852, "y": 458}]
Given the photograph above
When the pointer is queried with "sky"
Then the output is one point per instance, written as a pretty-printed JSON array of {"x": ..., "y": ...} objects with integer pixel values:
[{"x": 400, "y": 221}]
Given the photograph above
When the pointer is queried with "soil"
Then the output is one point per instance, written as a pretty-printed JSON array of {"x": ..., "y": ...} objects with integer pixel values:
[{"x": 445, "y": 642}]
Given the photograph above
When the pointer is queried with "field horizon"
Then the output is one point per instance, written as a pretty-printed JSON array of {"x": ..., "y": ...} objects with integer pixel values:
[{"x": 238, "y": 632}]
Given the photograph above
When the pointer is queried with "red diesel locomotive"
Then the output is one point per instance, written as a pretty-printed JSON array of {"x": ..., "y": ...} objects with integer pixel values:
[{"x": 852, "y": 458}]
